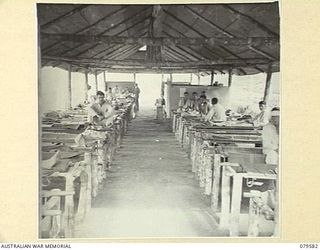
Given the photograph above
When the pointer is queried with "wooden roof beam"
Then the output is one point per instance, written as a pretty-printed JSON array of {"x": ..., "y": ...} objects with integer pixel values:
[
  {"x": 208, "y": 63},
  {"x": 88, "y": 27},
  {"x": 117, "y": 49},
  {"x": 107, "y": 51},
  {"x": 260, "y": 52},
  {"x": 240, "y": 58},
  {"x": 252, "y": 20},
  {"x": 139, "y": 13},
  {"x": 116, "y": 52},
  {"x": 149, "y": 70},
  {"x": 177, "y": 54},
  {"x": 183, "y": 23},
  {"x": 183, "y": 35},
  {"x": 171, "y": 56},
  {"x": 127, "y": 53},
  {"x": 182, "y": 52},
  {"x": 67, "y": 14},
  {"x": 154, "y": 52},
  {"x": 125, "y": 30},
  {"x": 208, "y": 22},
  {"x": 187, "y": 50}
]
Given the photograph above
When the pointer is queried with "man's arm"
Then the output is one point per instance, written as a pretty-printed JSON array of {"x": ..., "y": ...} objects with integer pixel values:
[
  {"x": 110, "y": 112},
  {"x": 209, "y": 115},
  {"x": 92, "y": 112}
]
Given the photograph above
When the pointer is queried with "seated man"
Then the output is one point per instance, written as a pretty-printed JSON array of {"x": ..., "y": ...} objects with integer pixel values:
[
  {"x": 203, "y": 106},
  {"x": 217, "y": 112},
  {"x": 101, "y": 113},
  {"x": 195, "y": 101},
  {"x": 184, "y": 103},
  {"x": 270, "y": 141},
  {"x": 263, "y": 117}
]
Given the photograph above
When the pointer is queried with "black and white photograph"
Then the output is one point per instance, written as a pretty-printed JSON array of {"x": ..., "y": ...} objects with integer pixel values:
[{"x": 159, "y": 120}]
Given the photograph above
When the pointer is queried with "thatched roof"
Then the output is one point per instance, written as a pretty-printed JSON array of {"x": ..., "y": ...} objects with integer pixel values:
[{"x": 243, "y": 38}]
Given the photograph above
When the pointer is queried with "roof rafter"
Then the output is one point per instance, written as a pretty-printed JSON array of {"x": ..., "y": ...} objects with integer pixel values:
[
  {"x": 208, "y": 22},
  {"x": 159, "y": 64},
  {"x": 117, "y": 25},
  {"x": 184, "y": 23},
  {"x": 260, "y": 52},
  {"x": 128, "y": 28},
  {"x": 88, "y": 27},
  {"x": 117, "y": 46},
  {"x": 179, "y": 55},
  {"x": 67, "y": 14},
  {"x": 183, "y": 35},
  {"x": 252, "y": 20}
]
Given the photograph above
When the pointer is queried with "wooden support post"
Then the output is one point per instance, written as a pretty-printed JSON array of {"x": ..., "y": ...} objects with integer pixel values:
[
  {"x": 162, "y": 88},
  {"x": 96, "y": 80},
  {"x": 168, "y": 102},
  {"x": 86, "y": 86},
  {"x": 134, "y": 77},
  {"x": 198, "y": 78},
  {"x": 212, "y": 77},
  {"x": 225, "y": 199},
  {"x": 69, "y": 105},
  {"x": 236, "y": 205},
  {"x": 229, "y": 78},
  {"x": 216, "y": 183},
  {"x": 105, "y": 80},
  {"x": 171, "y": 77},
  {"x": 268, "y": 84}
]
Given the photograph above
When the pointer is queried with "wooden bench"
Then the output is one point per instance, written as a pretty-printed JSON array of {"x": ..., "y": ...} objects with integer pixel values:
[
  {"x": 230, "y": 208},
  {"x": 51, "y": 213}
]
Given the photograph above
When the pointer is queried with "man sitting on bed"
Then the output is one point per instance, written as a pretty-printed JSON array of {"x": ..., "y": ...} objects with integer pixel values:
[
  {"x": 101, "y": 112},
  {"x": 217, "y": 112}
]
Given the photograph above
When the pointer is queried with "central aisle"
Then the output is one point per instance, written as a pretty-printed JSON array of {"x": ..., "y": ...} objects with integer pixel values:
[{"x": 150, "y": 190}]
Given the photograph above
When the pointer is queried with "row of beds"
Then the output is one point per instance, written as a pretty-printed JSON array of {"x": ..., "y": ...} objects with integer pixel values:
[
  {"x": 75, "y": 157},
  {"x": 230, "y": 167}
]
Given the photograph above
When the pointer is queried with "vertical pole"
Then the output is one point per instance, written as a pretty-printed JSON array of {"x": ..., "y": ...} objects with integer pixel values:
[
  {"x": 96, "y": 80},
  {"x": 134, "y": 77},
  {"x": 230, "y": 78},
  {"x": 104, "y": 81},
  {"x": 168, "y": 104},
  {"x": 212, "y": 77},
  {"x": 190, "y": 78},
  {"x": 171, "y": 77},
  {"x": 69, "y": 88},
  {"x": 87, "y": 85},
  {"x": 198, "y": 78},
  {"x": 268, "y": 83}
]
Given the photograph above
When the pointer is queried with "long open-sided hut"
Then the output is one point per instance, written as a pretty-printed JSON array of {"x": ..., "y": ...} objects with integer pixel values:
[{"x": 202, "y": 39}]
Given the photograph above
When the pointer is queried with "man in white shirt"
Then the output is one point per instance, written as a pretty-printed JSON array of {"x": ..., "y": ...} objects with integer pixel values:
[
  {"x": 109, "y": 96},
  {"x": 217, "y": 112},
  {"x": 101, "y": 112},
  {"x": 270, "y": 142},
  {"x": 184, "y": 102},
  {"x": 263, "y": 117},
  {"x": 116, "y": 91}
]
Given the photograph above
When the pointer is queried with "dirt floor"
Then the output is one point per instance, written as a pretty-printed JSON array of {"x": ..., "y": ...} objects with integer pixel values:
[{"x": 150, "y": 190}]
